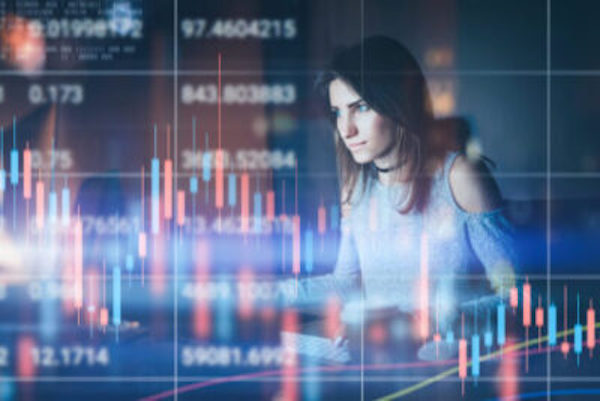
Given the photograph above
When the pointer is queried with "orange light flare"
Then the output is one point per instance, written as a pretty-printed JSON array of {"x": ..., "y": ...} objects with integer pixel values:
[
  {"x": 462, "y": 356},
  {"x": 142, "y": 245},
  {"x": 142, "y": 239},
  {"x": 168, "y": 179},
  {"x": 168, "y": 188},
  {"x": 40, "y": 210},
  {"x": 245, "y": 202},
  {"x": 180, "y": 208},
  {"x": 219, "y": 166},
  {"x": 539, "y": 319},
  {"x": 290, "y": 360},
  {"x": 378, "y": 333},
  {"x": 103, "y": 317},
  {"x": 104, "y": 309},
  {"x": 423, "y": 318},
  {"x": 201, "y": 313},
  {"x": 27, "y": 173},
  {"x": 527, "y": 318},
  {"x": 514, "y": 298},
  {"x": 268, "y": 313},
  {"x": 78, "y": 266},
  {"x": 283, "y": 219},
  {"x": 527, "y": 305},
  {"x": 437, "y": 337},
  {"x": 92, "y": 295},
  {"x": 508, "y": 369},
  {"x": 270, "y": 213},
  {"x": 296, "y": 246},
  {"x": 202, "y": 320},
  {"x": 333, "y": 323},
  {"x": 24, "y": 43},
  {"x": 591, "y": 328},
  {"x": 245, "y": 294},
  {"x": 158, "y": 279},
  {"x": 565, "y": 346},
  {"x": 219, "y": 179},
  {"x": 25, "y": 363},
  {"x": 322, "y": 222},
  {"x": 67, "y": 274}
]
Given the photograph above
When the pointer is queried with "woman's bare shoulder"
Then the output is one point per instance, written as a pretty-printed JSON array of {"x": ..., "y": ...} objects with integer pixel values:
[{"x": 473, "y": 187}]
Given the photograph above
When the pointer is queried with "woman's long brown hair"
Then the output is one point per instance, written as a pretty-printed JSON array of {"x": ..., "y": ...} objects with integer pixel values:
[{"x": 388, "y": 78}]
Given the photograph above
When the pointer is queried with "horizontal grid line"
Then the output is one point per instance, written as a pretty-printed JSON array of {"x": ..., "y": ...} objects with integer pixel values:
[
  {"x": 311, "y": 378},
  {"x": 283, "y": 72},
  {"x": 290, "y": 173},
  {"x": 37, "y": 276}
]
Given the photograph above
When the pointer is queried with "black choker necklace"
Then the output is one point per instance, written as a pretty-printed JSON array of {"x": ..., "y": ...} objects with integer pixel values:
[{"x": 387, "y": 169}]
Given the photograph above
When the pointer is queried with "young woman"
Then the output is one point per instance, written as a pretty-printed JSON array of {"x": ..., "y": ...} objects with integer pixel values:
[{"x": 416, "y": 218}]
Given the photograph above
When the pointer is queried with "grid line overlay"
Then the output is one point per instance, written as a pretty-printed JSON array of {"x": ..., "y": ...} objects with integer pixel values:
[
  {"x": 548, "y": 74},
  {"x": 548, "y": 184},
  {"x": 362, "y": 294},
  {"x": 174, "y": 194}
]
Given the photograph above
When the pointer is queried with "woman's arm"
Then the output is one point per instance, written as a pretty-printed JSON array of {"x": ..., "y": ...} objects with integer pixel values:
[
  {"x": 343, "y": 282},
  {"x": 490, "y": 233}
]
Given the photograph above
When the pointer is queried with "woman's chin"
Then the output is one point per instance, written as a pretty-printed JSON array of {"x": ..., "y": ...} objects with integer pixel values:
[{"x": 361, "y": 158}]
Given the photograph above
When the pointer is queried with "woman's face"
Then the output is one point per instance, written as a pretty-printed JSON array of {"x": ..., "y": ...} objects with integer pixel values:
[{"x": 368, "y": 135}]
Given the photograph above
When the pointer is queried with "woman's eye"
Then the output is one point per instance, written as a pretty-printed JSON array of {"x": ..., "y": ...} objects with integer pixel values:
[
  {"x": 335, "y": 114},
  {"x": 363, "y": 107}
]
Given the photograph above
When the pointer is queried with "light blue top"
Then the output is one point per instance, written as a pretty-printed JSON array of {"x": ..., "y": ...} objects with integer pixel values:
[{"x": 383, "y": 249}]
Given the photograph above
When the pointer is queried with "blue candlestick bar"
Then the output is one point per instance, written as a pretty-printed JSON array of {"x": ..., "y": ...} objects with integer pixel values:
[
  {"x": 501, "y": 309},
  {"x": 475, "y": 355},
  {"x": 257, "y": 212},
  {"x": 155, "y": 184},
  {"x": 52, "y": 207},
  {"x": 488, "y": 339},
  {"x": 155, "y": 188},
  {"x": 116, "y": 296},
  {"x": 14, "y": 158},
  {"x": 66, "y": 206},
  {"x": 194, "y": 178},
  {"x": 308, "y": 251},
  {"x": 578, "y": 335},
  {"x": 129, "y": 262},
  {"x": 194, "y": 184},
  {"x": 231, "y": 199},
  {"x": 334, "y": 217},
  {"x": 2, "y": 171},
  {"x": 552, "y": 325}
]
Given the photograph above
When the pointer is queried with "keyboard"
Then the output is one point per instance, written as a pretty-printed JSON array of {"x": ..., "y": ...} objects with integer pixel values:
[{"x": 321, "y": 348}]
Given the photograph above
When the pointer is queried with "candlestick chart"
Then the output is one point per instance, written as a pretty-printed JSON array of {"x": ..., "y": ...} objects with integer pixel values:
[{"x": 169, "y": 188}]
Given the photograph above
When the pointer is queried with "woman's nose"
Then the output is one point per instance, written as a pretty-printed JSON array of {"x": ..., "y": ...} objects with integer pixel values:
[{"x": 347, "y": 127}]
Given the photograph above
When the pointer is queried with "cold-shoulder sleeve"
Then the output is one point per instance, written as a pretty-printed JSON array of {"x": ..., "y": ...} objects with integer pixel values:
[{"x": 492, "y": 238}]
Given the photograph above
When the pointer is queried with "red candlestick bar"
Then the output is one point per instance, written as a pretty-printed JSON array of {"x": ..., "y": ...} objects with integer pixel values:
[
  {"x": 245, "y": 201},
  {"x": 270, "y": 206},
  {"x": 27, "y": 173}
]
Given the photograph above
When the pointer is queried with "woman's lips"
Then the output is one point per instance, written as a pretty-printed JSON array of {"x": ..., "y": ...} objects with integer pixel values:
[{"x": 356, "y": 145}]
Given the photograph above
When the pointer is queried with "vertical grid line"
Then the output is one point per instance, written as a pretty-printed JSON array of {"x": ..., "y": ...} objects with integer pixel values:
[
  {"x": 548, "y": 184},
  {"x": 362, "y": 296},
  {"x": 174, "y": 228}
]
